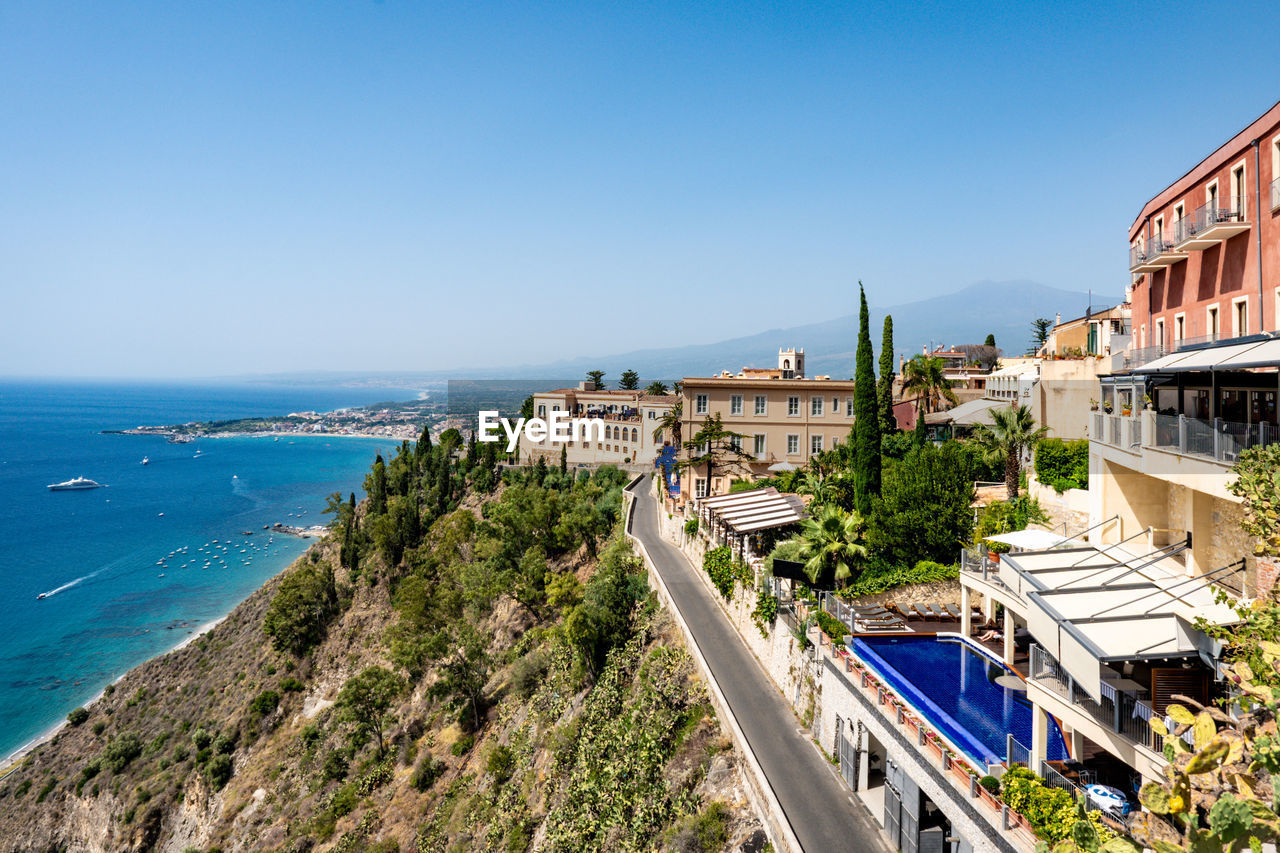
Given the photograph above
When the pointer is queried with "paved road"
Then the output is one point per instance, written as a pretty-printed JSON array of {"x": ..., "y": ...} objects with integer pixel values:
[{"x": 816, "y": 802}]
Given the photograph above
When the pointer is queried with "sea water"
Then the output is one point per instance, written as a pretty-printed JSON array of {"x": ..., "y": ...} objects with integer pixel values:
[{"x": 121, "y": 567}]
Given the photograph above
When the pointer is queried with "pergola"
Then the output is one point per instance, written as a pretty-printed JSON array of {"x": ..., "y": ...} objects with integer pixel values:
[{"x": 731, "y": 519}]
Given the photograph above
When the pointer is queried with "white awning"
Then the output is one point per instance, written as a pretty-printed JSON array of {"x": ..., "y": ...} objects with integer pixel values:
[
  {"x": 1089, "y": 606},
  {"x": 760, "y": 509},
  {"x": 1231, "y": 356},
  {"x": 967, "y": 414},
  {"x": 1029, "y": 540}
]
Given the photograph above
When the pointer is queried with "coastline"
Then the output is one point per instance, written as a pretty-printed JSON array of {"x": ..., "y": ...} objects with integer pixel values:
[{"x": 13, "y": 761}]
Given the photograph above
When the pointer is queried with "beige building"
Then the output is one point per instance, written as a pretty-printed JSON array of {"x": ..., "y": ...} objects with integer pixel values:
[
  {"x": 782, "y": 415},
  {"x": 629, "y": 417}
]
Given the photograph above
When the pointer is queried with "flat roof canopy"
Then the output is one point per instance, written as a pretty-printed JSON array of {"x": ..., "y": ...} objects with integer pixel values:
[
  {"x": 1088, "y": 606},
  {"x": 1264, "y": 353},
  {"x": 760, "y": 509},
  {"x": 1029, "y": 540}
]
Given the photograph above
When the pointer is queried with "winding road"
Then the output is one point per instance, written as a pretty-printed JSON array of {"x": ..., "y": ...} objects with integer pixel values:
[{"x": 820, "y": 809}]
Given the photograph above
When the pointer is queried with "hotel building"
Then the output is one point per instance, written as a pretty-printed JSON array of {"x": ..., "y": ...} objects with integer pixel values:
[
  {"x": 783, "y": 417},
  {"x": 630, "y": 418}
]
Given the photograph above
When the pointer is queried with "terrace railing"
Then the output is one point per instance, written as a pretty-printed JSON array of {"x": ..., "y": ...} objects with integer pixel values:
[
  {"x": 1121, "y": 712},
  {"x": 1216, "y": 439},
  {"x": 1132, "y": 358}
]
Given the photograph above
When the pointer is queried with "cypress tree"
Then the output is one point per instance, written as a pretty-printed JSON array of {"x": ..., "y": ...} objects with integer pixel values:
[
  {"x": 866, "y": 417},
  {"x": 918, "y": 436},
  {"x": 378, "y": 497},
  {"x": 884, "y": 390},
  {"x": 564, "y": 459}
]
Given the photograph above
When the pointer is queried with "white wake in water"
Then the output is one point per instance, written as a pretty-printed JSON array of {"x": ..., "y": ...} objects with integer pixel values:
[{"x": 51, "y": 593}]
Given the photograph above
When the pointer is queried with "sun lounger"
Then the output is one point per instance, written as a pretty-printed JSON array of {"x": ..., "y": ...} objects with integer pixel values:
[
  {"x": 896, "y": 625},
  {"x": 938, "y": 612},
  {"x": 952, "y": 611},
  {"x": 887, "y": 617},
  {"x": 859, "y": 612},
  {"x": 921, "y": 611}
]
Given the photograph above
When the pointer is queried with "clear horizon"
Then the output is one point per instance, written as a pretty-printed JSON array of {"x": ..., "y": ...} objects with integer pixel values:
[{"x": 200, "y": 192}]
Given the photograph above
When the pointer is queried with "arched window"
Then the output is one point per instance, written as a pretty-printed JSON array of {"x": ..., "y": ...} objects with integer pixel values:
[
  {"x": 786, "y": 364},
  {"x": 635, "y": 435}
]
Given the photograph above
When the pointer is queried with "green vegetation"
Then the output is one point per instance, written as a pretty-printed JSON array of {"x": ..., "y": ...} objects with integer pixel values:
[
  {"x": 366, "y": 700},
  {"x": 832, "y": 543},
  {"x": 1052, "y": 813},
  {"x": 302, "y": 609},
  {"x": 78, "y": 716},
  {"x": 1005, "y": 517},
  {"x": 717, "y": 449},
  {"x": 831, "y": 626},
  {"x": 1011, "y": 433},
  {"x": 766, "y": 609},
  {"x": 866, "y": 424},
  {"x": 716, "y": 564},
  {"x": 924, "y": 377},
  {"x": 884, "y": 387},
  {"x": 630, "y": 380},
  {"x": 596, "y": 376},
  {"x": 880, "y": 577},
  {"x": 1257, "y": 483},
  {"x": 924, "y": 508},
  {"x": 1063, "y": 464}
]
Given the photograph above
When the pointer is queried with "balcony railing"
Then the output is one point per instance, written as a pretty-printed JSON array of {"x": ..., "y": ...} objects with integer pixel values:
[
  {"x": 1162, "y": 251},
  {"x": 1119, "y": 711},
  {"x": 1216, "y": 439},
  {"x": 1123, "y": 431},
  {"x": 1138, "y": 259}
]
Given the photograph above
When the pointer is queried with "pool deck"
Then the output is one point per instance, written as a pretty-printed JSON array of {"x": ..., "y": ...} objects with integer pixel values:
[{"x": 1021, "y": 659}]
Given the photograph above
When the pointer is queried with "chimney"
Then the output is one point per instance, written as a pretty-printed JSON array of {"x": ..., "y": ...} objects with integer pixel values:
[{"x": 1057, "y": 319}]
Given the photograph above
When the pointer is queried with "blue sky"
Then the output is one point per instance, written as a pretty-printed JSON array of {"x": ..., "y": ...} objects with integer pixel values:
[{"x": 194, "y": 189}]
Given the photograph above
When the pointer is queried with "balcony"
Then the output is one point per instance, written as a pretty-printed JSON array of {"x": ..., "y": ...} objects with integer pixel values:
[
  {"x": 1122, "y": 431},
  {"x": 1209, "y": 225},
  {"x": 1161, "y": 252},
  {"x": 1215, "y": 439},
  {"x": 1138, "y": 261}
]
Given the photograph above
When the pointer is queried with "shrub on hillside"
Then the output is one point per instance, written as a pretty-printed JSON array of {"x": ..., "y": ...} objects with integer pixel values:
[
  {"x": 880, "y": 577},
  {"x": 717, "y": 563},
  {"x": 301, "y": 610},
  {"x": 77, "y": 716},
  {"x": 120, "y": 750}
]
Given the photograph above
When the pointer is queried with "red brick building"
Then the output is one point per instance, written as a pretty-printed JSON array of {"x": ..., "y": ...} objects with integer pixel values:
[{"x": 1205, "y": 252}]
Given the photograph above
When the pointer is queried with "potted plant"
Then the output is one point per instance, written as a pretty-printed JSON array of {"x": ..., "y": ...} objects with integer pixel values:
[
  {"x": 1257, "y": 484},
  {"x": 1126, "y": 411},
  {"x": 1106, "y": 407},
  {"x": 1093, "y": 405},
  {"x": 1147, "y": 402}
]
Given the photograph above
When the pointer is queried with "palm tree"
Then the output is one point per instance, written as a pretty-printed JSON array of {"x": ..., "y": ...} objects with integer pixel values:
[
  {"x": 925, "y": 377},
  {"x": 1012, "y": 432},
  {"x": 670, "y": 422},
  {"x": 833, "y": 540},
  {"x": 656, "y": 388}
]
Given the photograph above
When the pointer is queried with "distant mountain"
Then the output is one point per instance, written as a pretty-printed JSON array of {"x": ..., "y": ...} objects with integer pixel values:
[{"x": 1002, "y": 308}]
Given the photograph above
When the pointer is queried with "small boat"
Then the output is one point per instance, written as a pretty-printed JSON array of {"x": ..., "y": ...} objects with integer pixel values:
[
  {"x": 160, "y": 575},
  {"x": 146, "y": 460},
  {"x": 42, "y": 595},
  {"x": 75, "y": 485}
]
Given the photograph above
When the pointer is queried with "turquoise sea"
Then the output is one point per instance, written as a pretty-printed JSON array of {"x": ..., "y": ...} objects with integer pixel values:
[{"x": 120, "y": 566}]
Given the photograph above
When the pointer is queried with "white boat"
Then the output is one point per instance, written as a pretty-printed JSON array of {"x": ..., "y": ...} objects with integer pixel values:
[
  {"x": 146, "y": 460},
  {"x": 73, "y": 485}
]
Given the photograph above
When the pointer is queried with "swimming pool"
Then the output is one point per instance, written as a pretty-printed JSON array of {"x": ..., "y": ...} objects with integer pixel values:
[{"x": 952, "y": 686}]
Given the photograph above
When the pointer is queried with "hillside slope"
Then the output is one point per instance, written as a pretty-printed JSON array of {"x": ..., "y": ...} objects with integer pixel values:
[{"x": 446, "y": 688}]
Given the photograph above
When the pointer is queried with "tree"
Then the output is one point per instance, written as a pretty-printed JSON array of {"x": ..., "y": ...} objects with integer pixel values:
[
  {"x": 866, "y": 418},
  {"x": 1039, "y": 333},
  {"x": 925, "y": 378},
  {"x": 1011, "y": 433},
  {"x": 924, "y": 508},
  {"x": 990, "y": 341},
  {"x": 670, "y": 422},
  {"x": 450, "y": 440},
  {"x": 596, "y": 376},
  {"x": 630, "y": 380},
  {"x": 377, "y": 487},
  {"x": 564, "y": 458},
  {"x": 465, "y": 671},
  {"x": 919, "y": 436},
  {"x": 300, "y": 612},
  {"x": 366, "y": 700},
  {"x": 656, "y": 388},
  {"x": 718, "y": 449},
  {"x": 832, "y": 542},
  {"x": 884, "y": 391},
  {"x": 980, "y": 354}
]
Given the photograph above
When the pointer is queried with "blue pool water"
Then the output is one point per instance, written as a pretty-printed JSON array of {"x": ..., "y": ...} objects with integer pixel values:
[
  {"x": 952, "y": 685},
  {"x": 99, "y": 555}
]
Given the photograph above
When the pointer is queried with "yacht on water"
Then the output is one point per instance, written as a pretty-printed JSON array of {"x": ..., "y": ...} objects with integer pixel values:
[
  {"x": 146, "y": 460},
  {"x": 72, "y": 485}
]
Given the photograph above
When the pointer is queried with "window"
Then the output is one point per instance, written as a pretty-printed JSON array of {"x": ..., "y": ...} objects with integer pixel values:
[
  {"x": 735, "y": 441},
  {"x": 1238, "y": 193},
  {"x": 758, "y": 446},
  {"x": 700, "y": 404},
  {"x": 1158, "y": 231},
  {"x": 1211, "y": 326},
  {"x": 762, "y": 404},
  {"x": 793, "y": 443},
  {"x": 848, "y": 407},
  {"x": 735, "y": 404},
  {"x": 1240, "y": 309},
  {"x": 815, "y": 407},
  {"x": 815, "y": 444},
  {"x": 542, "y": 411},
  {"x": 1179, "y": 327},
  {"x": 699, "y": 488},
  {"x": 1159, "y": 341},
  {"x": 793, "y": 407}
]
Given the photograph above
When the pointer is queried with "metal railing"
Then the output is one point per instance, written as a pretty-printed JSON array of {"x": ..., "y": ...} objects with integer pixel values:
[
  {"x": 1158, "y": 244},
  {"x": 1137, "y": 255},
  {"x": 1123, "y": 431},
  {"x": 1197, "y": 341},
  {"x": 1130, "y": 359},
  {"x": 1217, "y": 439},
  {"x": 1016, "y": 753},
  {"x": 1120, "y": 712}
]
